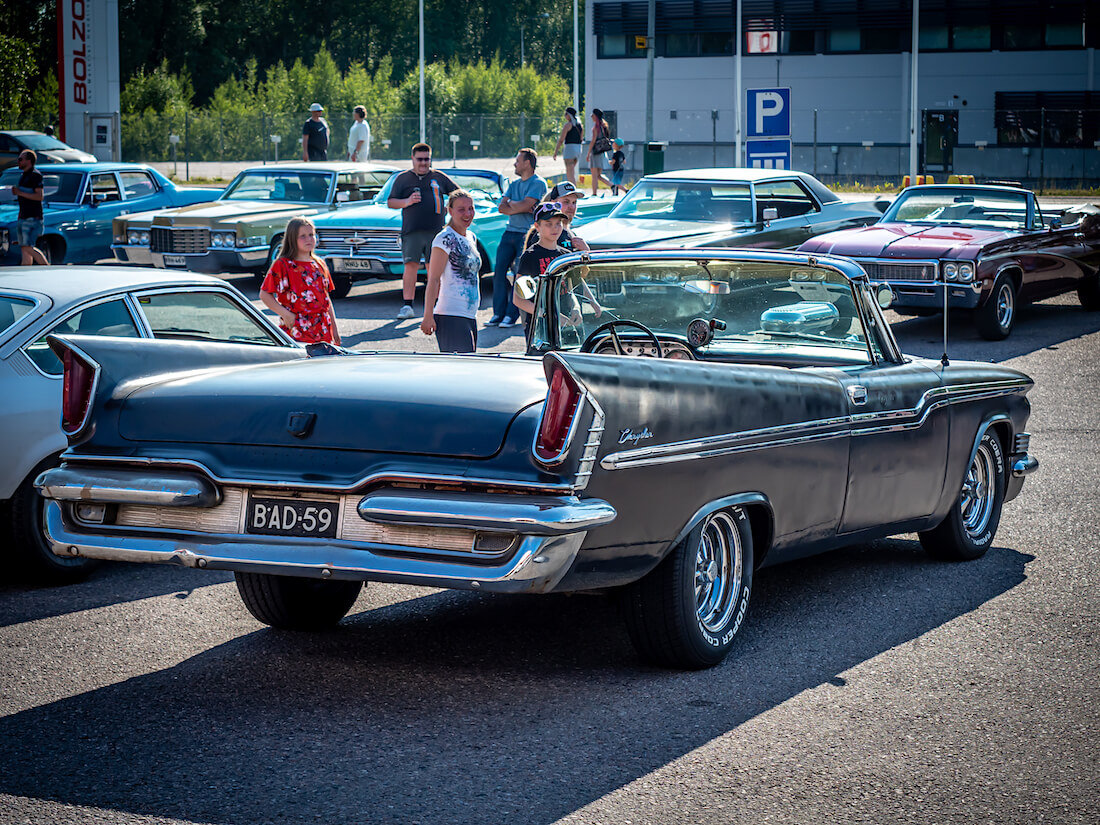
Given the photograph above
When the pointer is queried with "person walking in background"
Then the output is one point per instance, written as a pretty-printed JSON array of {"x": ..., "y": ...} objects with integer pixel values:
[
  {"x": 29, "y": 224},
  {"x": 359, "y": 136},
  {"x": 598, "y": 146},
  {"x": 453, "y": 294},
  {"x": 418, "y": 193},
  {"x": 518, "y": 203},
  {"x": 618, "y": 159},
  {"x": 572, "y": 136},
  {"x": 315, "y": 135},
  {"x": 297, "y": 287}
]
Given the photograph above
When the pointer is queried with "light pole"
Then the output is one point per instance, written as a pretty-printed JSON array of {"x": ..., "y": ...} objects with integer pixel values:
[
  {"x": 423, "y": 126},
  {"x": 576, "y": 47},
  {"x": 522, "y": 25}
]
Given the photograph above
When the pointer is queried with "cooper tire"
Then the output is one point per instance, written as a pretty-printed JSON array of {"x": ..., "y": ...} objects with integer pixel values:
[
  {"x": 996, "y": 317},
  {"x": 33, "y": 559},
  {"x": 293, "y": 603},
  {"x": 969, "y": 528},
  {"x": 687, "y": 611}
]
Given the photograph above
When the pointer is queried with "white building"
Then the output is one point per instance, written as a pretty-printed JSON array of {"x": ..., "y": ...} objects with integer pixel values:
[{"x": 1007, "y": 89}]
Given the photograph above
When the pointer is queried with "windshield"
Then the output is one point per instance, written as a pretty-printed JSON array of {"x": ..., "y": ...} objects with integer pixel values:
[
  {"x": 474, "y": 184},
  {"x": 287, "y": 186},
  {"x": 687, "y": 201},
  {"x": 40, "y": 142},
  {"x": 57, "y": 187},
  {"x": 715, "y": 306},
  {"x": 962, "y": 207}
]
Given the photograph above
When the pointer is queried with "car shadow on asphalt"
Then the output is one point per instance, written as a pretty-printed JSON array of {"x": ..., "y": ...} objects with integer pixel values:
[
  {"x": 1038, "y": 326},
  {"x": 465, "y": 708}
]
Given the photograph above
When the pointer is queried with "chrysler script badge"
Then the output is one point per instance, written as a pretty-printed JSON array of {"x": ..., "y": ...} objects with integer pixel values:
[{"x": 629, "y": 435}]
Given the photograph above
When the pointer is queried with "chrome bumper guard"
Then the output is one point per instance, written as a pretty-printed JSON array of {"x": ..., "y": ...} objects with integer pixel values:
[
  {"x": 165, "y": 489},
  {"x": 1024, "y": 465},
  {"x": 547, "y": 530}
]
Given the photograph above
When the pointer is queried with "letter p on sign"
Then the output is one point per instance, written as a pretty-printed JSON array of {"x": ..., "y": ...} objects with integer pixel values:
[{"x": 769, "y": 112}]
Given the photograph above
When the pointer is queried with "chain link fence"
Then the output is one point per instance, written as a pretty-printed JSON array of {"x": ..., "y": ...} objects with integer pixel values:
[{"x": 214, "y": 136}]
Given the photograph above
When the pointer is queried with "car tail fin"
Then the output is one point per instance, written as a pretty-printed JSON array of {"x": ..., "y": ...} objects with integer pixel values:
[
  {"x": 81, "y": 377},
  {"x": 559, "y": 413}
]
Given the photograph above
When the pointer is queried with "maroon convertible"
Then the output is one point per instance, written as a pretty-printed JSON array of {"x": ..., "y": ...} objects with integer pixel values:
[{"x": 989, "y": 246}]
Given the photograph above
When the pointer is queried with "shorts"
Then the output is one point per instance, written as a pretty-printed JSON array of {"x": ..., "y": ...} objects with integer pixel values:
[
  {"x": 572, "y": 151},
  {"x": 417, "y": 246},
  {"x": 454, "y": 333},
  {"x": 27, "y": 231},
  {"x": 617, "y": 178}
]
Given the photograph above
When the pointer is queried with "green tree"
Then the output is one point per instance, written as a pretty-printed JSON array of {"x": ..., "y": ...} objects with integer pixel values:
[{"x": 16, "y": 70}]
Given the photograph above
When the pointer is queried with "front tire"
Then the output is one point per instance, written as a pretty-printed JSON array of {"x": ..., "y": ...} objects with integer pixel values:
[
  {"x": 341, "y": 286},
  {"x": 293, "y": 603},
  {"x": 272, "y": 253},
  {"x": 969, "y": 528},
  {"x": 30, "y": 552},
  {"x": 687, "y": 611},
  {"x": 996, "y": 317},
  {"x": 1088, "y": 292}
]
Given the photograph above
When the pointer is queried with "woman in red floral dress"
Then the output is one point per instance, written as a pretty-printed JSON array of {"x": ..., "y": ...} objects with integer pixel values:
[{"x": 297, "y": 286}]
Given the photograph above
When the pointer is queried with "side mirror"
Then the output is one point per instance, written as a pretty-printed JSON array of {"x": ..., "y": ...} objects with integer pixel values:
[
  {"x": 343, "y": 196},
  {"x": 95, "y": 199},
  {"x": 1055, "y": 223},
  {"x": 771, "y": 214},
  {"x": 884, "y": 295},
  {"x": 526, "y": 287}
]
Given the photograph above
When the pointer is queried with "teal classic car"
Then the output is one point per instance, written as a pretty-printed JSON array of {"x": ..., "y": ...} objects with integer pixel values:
[
  {"x": 365, "y": 241},
  {"x": 80, "y": 201}
]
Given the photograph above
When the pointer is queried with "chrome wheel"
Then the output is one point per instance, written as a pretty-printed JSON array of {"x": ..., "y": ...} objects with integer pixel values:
[
  {"x": 718, "y": 569},
  {"x": 977, "y": 498},
  {"x": 1006, "y": 306}
]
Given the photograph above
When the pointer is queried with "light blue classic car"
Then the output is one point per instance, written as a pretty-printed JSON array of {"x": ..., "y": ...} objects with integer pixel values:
[
  {"x": 365, "y": 241},
  {"x": 79, "y": 202}
]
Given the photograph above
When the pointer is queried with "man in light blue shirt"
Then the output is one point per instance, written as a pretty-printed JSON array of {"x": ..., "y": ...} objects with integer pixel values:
[{"x": 518, "y": 203}]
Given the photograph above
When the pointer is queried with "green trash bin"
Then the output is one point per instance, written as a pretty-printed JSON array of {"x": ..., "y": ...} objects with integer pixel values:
[{"x": 653, "y": 158}]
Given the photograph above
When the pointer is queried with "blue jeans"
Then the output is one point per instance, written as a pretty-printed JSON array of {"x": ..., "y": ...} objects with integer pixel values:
[
  {"x": 508, "y": 252},
  {"x": 27, "y": 231}
]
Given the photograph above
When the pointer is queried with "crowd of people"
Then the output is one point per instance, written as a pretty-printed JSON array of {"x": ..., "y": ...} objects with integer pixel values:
[{"x": 436, "y": 231}]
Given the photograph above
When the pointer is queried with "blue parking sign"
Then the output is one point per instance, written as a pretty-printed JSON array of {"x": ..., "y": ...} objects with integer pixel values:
[
  {"x": 768, "y": 154},
  {"x": 769, "y": 113}
]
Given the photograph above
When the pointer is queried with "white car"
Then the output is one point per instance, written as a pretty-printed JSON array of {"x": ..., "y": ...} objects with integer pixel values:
[{"x": 114, "y": 301}]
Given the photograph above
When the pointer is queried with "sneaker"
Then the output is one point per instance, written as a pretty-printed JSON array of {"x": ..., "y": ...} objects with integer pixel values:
[
  {"x": 493, "y": 322},
  {"x": 405, "y": 312},
  {"x": 508, "y": 322}
]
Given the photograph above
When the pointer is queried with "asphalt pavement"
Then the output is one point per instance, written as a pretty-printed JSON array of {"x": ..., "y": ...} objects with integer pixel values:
[{"x": 869, "y": 685}]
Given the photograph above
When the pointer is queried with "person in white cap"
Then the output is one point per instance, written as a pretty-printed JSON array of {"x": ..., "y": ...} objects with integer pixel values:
[{"x": 315, "y": 135}]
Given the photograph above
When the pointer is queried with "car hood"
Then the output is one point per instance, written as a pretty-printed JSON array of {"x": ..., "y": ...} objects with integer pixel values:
[
  {"x": 374, "y": 215},
  {"x": 907, "y": 240},
  {"x": 65, "y": 156},
  {"x": 438, "y": 405},
  {"x": 205, "y": 214},
  {"x": 626, "y": 232}
]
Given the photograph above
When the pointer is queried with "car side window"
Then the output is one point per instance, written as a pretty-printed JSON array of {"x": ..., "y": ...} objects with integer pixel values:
[
  {"x": 109, "y": 318},
  {"x": 786, "y": 196},
  {"x": 137, "y": 185},
  {"x": 202, "y": 316},
  {"x": 6, "y": 144},
  {"x": 105, "y": 187}
]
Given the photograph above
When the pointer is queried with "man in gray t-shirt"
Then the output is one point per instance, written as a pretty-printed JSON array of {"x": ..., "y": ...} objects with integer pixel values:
[{"x": 518, "y": 203}]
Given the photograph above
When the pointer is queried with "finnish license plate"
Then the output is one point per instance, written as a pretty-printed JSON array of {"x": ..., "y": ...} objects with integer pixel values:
[
  {"x": 175, "y": 260},
  {"x": 354, "y": 265},
  {"x": 291, "y": 517}
]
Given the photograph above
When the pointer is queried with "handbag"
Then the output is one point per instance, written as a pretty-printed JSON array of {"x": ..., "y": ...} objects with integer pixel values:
[{"x": 602, "y": 143}]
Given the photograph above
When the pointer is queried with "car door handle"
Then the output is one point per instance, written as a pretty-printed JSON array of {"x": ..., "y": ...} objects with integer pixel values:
[{"x": 858, "y": 394}]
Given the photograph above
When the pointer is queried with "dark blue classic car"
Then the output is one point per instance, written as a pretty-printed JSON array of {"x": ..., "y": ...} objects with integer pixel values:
[
  {"x": 680, "y": 419},
  {"x": 80, "y": 201}
]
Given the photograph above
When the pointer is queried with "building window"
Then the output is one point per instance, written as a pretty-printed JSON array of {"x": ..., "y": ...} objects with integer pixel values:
[
  {"x": 617, "y": 45},
  {"x": 880, "y": 40},
  {"x": 799, "y": 42},
  {"x": 1065, "y": 34},
  {"x": 1055, "y": 119},
  {"x": 844, "y": 40},
  {"x": 934, "y": 38},
  {"x": 717, "y": 43},
  {"x": 1022, "y": 37},
  {"x": 681, "y": 44},
  {"x": 970, "y": 38}
]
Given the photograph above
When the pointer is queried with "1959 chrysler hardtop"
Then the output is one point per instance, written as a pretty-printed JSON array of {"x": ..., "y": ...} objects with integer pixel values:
[{"x": 681, "y": 418}]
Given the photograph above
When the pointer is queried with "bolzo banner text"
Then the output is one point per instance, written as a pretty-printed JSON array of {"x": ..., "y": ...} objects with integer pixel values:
[{"x": 87, "y": 63}]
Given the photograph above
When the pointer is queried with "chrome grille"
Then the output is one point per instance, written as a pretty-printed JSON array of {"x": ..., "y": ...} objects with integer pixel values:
[
  {"x": 899, "y": 270},
  {"x": 374, "y": 242},
  {"x": 179, "y": 241}
]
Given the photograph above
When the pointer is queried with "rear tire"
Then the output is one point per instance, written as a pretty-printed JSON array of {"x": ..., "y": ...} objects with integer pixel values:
[
  {"x": 969, "y": 528},
  {"x": 52, "y": 249},
  {"x": 1088, "y": 292},
  {"x": 996, "y": 317},
  {"x": 293, "y": 603},
  {"x": 687, "y": 611},
  {"x": 30, "y": 552}
]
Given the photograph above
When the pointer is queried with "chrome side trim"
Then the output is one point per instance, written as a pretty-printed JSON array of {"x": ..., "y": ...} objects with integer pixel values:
[
  {"x": 165, "y": 489},
  {"x": 861, "y": 424},
  {"x": 365, "y": 481},
  {"x": 536, "y": 566},
  {"x": 527, "y": 515}
]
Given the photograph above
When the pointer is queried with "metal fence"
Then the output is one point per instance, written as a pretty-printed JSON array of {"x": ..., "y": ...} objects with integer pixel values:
[{"x": 213, "y": 136}]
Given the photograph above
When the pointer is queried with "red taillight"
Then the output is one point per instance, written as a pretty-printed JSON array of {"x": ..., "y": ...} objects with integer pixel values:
[
  {"x": 76, "y": 392},
  {"x": 557, "y": 415}
]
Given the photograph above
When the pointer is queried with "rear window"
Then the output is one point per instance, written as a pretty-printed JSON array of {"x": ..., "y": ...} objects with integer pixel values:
[
  {"x": 57, "y": 187},
  {"x": 110, "y": 318},
  {"x": 12, "y": 309},
  {"x": 202, "y": 316}
]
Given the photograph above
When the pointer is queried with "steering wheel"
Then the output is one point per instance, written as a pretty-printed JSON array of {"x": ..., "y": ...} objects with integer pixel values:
[{"x": 590, "y": 341}]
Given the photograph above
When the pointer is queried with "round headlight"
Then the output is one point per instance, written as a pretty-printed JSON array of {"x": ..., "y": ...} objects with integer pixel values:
[
  {"x": 966, "y": 272},
  {"x": 951, "y": 272},
  {"x": 145, "y": 238},
  {"x": 133, "y": 238},
  {"x": 219, "y": 240}
]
